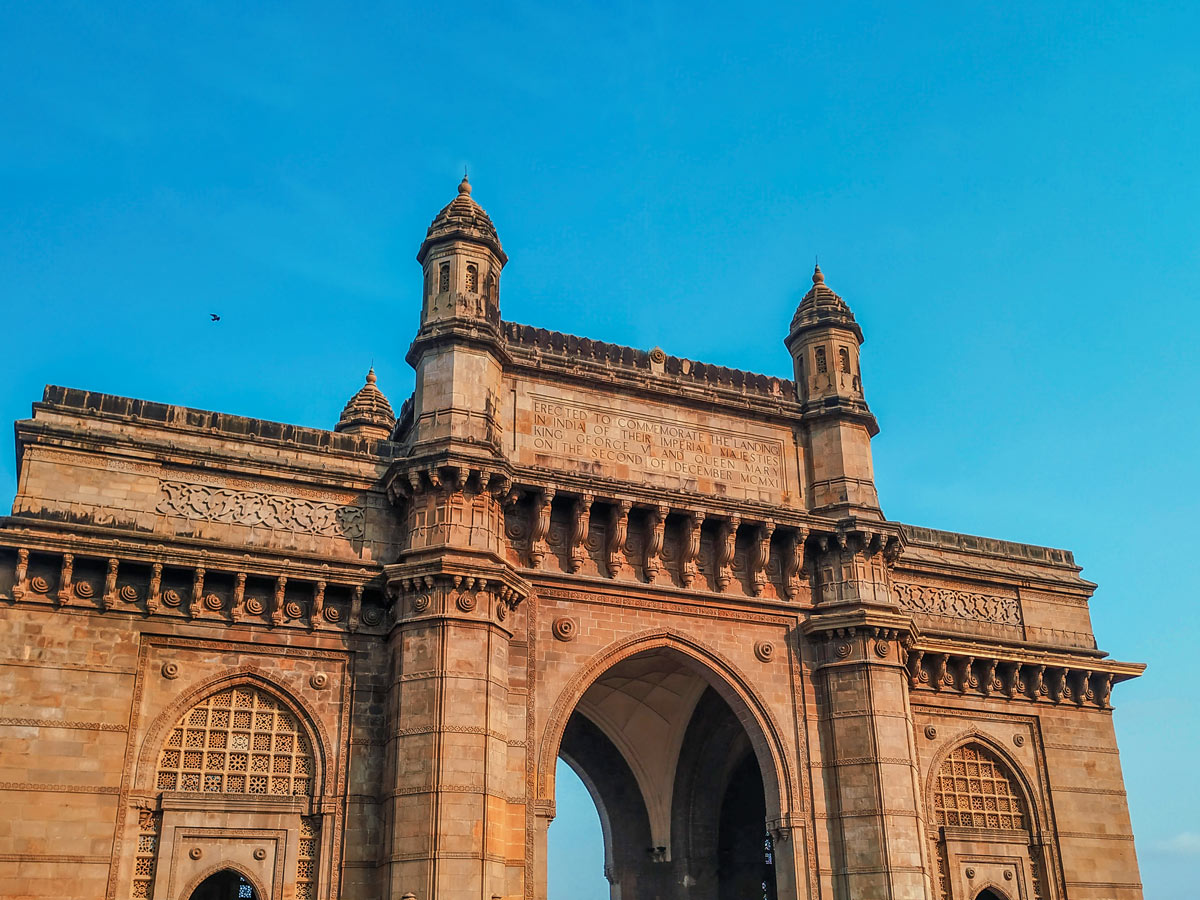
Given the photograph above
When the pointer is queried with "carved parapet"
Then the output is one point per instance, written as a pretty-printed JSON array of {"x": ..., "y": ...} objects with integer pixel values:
[{"x": 1009, "y": 674}]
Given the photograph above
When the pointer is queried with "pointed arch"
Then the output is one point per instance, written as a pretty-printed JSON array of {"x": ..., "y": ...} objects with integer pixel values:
[
  {"x": 166, "y": 720},
  {"x": 217, "y": 870},
  {"x": 1030, "y": 800},
  {"x": 774, "y": 759}
]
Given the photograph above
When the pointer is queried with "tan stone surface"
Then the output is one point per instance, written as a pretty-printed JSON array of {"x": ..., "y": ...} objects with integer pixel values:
[{"x": 675, "y": 576}]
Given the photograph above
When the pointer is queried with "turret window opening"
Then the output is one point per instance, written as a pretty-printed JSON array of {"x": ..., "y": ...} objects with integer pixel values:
[
  {"x": 472, "y": 277},
  {"x": 444, "y": 278},
  {"x": 822, "y": 367},
  {"x": 844, "y": 360}
]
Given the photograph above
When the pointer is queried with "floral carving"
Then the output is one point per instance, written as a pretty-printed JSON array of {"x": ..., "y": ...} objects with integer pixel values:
[
  {"x": 250, "y": 508},
  {"x": 372, "y": 615},
  {"x": 170, "y": 670},
  {"x": 83, "y": 590},
  {"x": 958, "y": 604},
  {"x": 254, "y": 606},
  {"x": 213, "y": 602},
  {"x": 129, "y": 593},
  {"x": 171, "y": 598},
  {"x": 764, "y": 650},
  {"x": 39, "y": 585}
]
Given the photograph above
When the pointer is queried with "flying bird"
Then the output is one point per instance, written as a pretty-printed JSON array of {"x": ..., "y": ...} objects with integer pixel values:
[{"x": 215, "y": 317}]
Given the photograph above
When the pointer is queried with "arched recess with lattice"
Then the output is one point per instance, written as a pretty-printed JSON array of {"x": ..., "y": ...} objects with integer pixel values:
[
  {"x": 239, "y": 738},
  {"x": 975, "y": 787},
  {"x": 160, "y": 732}
]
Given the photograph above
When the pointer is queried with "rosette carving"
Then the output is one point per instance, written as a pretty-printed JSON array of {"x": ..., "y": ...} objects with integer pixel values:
[
  {"x": 565, "y": 628},
  {"x": 764, "y": 650}
]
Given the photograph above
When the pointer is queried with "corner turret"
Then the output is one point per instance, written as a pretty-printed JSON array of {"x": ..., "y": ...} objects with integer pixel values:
[
  {"x": 824, "y": 341},
  {"x": 461, "y": 257}
]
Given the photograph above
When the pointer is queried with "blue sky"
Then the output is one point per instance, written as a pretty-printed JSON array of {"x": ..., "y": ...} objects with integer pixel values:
[{"x": 1005, "y": 193}]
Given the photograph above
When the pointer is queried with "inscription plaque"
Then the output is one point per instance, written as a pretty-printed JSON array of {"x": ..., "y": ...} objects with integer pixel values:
[{"x": 649, "y": 447}]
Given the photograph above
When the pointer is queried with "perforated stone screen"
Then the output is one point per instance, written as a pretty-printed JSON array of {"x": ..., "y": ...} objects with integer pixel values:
[
  {"x": 239, "y": 741},
  {"x": 974, "y": 790}
]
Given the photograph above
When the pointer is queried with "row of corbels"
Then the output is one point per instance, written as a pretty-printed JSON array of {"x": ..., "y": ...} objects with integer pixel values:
[
  {"x": 195, "y": 602},
  {"x": 616, "y": 559},
  {"x": 409, "y": 480},
  {"x": 985, "y": 675}
]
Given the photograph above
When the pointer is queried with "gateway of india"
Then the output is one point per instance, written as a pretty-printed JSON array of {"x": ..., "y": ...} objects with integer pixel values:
[{"x": 255, "y": 660}]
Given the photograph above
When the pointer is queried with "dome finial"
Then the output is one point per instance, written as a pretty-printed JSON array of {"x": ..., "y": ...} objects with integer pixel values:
[
  {"x": 371, "y": 375},
  {"x": 818, "y": 276},
  {"x": 464, "y": 186}
]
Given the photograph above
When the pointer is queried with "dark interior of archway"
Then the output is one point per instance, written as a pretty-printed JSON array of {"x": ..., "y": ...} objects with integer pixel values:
[
  {"x": 989, "y": 894},
  {"x": 719, "y": 846},
  {"x": 225, "y": 885}
]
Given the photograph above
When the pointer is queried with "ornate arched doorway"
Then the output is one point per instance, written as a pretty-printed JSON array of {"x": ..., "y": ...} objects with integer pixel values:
[
  {"x": 225, "y": 885},
  {"x": 987, "y": 827},
  {"x": 677, "y": 780},
  {"x": 234, "y": 771}
]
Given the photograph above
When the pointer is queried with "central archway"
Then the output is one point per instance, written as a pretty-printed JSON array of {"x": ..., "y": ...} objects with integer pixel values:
[{"x": 683, "y": 774}]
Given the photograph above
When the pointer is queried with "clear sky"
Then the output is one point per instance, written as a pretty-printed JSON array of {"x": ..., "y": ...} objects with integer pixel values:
[{"x": 1007, "y": 195}]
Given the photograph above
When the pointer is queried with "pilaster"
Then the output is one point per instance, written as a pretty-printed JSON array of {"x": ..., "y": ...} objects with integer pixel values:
[{"x": 859, "y": 638}]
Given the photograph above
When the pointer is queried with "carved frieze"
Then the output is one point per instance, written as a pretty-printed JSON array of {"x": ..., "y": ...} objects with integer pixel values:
[
  {"x": 250, "y": 508},
  {"x": 938, "y": 601}
]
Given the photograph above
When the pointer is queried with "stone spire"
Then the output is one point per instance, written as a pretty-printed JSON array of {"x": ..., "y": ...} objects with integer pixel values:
[
  {"x": 368, "y": 414},
  {"x": 462, "y": 217},
  {"x": 821, "y": 306}
]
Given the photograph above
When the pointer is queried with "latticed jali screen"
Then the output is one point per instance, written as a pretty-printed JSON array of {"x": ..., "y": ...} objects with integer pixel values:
[
  {"x": 974, "y": 790},
  {"x": 239, "y": 741}
]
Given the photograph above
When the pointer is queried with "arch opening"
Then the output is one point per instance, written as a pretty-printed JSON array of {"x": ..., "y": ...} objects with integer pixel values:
[
  {"x": 677, "y": 781},
  {"x": 227, "y": 884}
]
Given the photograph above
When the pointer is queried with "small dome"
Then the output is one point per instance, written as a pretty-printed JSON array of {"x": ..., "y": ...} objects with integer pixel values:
[
  {"x": 821, "y": 306},
  {"x": 368, "y": 413},
  {"x": 462, "y": 217}
]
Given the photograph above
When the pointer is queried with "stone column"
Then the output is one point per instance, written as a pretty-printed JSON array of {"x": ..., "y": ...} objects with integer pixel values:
[
  {"x": 866, "y": 726},
  {"x": 448, "y": 735}
]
